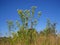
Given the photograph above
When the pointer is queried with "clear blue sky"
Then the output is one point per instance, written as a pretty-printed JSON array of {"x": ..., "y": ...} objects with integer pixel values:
[{"x": 50, "y": 9}]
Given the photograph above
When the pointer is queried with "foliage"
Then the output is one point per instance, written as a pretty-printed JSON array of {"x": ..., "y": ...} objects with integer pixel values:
[
  {"x": 27, "y": 16},
  {"x": 50, "y": 29},
  {"x": 30, "y": 36}
]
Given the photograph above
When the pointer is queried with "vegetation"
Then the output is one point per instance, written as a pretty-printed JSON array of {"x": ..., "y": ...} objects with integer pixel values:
[{"x": 27, "y": 34}]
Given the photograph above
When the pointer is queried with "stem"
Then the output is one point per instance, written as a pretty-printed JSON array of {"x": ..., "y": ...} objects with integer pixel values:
[{"x": 31, "y": 25}]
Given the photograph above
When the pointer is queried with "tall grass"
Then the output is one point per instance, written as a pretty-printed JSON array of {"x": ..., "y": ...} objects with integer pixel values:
[{"x": 30, "y": 37}]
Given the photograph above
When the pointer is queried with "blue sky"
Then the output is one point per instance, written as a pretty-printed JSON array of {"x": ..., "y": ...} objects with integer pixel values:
[{"x": 50, "y": 9}]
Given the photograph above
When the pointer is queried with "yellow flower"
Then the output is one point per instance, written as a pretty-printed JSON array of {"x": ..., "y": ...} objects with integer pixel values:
[{"x": 19, "y": 11}]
